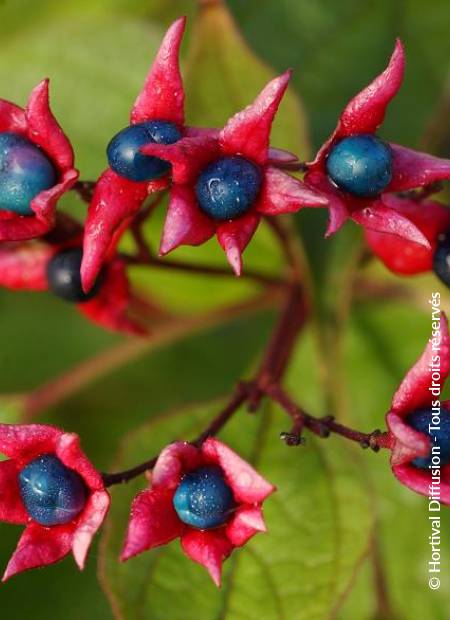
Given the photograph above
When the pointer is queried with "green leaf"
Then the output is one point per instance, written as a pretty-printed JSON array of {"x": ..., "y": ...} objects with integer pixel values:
[
  {"x": 97, "y": 53},
  {"x": 92, "y": 89},
  {"x": 224, "y": 76},
  {"x": 336, "y": 48},
  {"x": 309, "y": 555},
  {"x": 23, "y": 597},
  {"x": 12, "y": 408},
  {"x": 45, "y": 336}
]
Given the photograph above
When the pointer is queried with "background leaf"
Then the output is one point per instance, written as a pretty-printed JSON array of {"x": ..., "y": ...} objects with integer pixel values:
[
  {"x": 310, "y": 554},
  {"x": 378, "y": 353}
]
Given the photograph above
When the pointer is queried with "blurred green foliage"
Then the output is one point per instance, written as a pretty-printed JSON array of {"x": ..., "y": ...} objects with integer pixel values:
[{"x": 333, "y": 501}]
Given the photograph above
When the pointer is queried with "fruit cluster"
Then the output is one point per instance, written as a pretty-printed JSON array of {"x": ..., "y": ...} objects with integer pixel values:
[{"x": 220, "y": 182}]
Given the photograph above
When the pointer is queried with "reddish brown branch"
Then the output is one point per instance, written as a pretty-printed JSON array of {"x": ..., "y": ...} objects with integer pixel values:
[
  {"x": 293, "y": 166},
  {"x": 128, "y": 474},
  {"x": 279, "y": 350},
  {"x": 244, "y": 392},
  {"x": 144, "y": 253},
  {"x": 267, "y": 383},
  {"x": 273, "y": 364},
  {"x": 281, "y": 344},
  {"x": 323, "y": 427},
  {"x": 84, "y": 189},
  {"x": 286, "y": 244},
  {"x": 239, "y": 397},
  {"x": 211, "y": 270}
]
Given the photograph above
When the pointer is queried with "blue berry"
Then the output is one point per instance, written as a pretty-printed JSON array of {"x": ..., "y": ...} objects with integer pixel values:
[
  {"x": 420, "y": 421},
  {"x": 25, "y": 171},
  {"x": 64, "y": 278},
  {"x": 203, "y": 499},
  {"x": 127, "y": 161},
  {"x": 441, "y": 259},
  {"x": 228, "y": 187},
  {"x": 52, "y": 493},
  {"x": 360, "y": 165}
]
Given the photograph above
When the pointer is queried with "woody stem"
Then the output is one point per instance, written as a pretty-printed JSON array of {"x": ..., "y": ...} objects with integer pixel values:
[
  {"x": 323, "y": 427},
  {"x": 84, "y": 189}
]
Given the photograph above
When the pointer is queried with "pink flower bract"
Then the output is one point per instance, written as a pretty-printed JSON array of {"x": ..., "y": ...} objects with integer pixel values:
[
  {"x": 39, "y": 545},
  {"x": 154, "y": 521}
]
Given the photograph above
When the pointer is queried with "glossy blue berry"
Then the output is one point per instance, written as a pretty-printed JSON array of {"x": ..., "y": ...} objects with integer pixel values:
[
  {"x": 228, "y": 187},
  {"x": 64, "y": 278},
  {"x": 420, "y": 420},
  {"x": 25, "y": 171},
  {"x": 127, "y": 161},
  {"x": 52, "y": 493},
  {"x": 203, "y": 499},
  {"x": 360, "y": 165},
  {"x": 441, "y": 259}
]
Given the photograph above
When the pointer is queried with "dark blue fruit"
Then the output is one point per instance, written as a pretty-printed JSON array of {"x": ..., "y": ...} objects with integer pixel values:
[
  {"x": 25, "y": 171},
  {"x": 360, "y": 165},
  {"x": 441, "y": 259},
  {"x": 228, "y": 187},
  {"x": 52, "y": 493},
  {"x": 64, "y": 278},
  {"x": 127, "y": 161},
  {"x": 420, "y": 421},
  {"x": 203, "y": 499}
]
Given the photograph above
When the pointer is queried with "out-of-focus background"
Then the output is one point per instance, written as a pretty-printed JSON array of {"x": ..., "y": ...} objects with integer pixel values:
[{"x": 346, "y": 540}]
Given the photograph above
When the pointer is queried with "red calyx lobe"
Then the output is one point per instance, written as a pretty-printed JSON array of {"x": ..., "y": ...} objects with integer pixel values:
[
  {"x": 37, "y": 123},
  {"x": 401, "y": 255}
]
